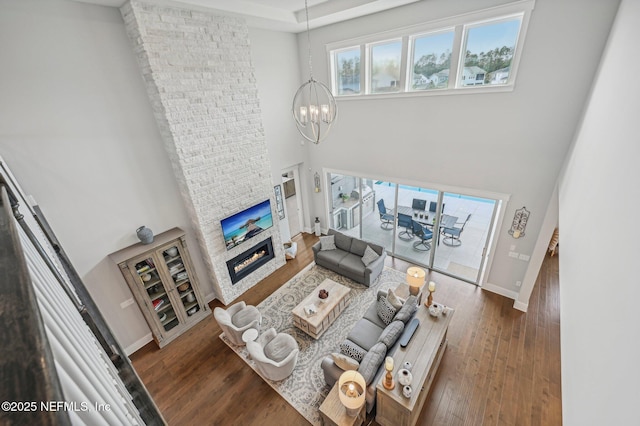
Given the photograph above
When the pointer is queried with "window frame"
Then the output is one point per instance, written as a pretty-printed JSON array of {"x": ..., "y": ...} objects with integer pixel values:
[{"x": 460, "y": 24}]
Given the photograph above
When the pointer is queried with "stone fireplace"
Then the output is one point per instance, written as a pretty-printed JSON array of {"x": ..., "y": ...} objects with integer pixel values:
[{"x": 201, "y": 84}]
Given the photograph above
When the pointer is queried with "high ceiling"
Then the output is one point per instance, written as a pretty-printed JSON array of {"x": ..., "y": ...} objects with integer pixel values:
[{"x": 282, "y": 15}]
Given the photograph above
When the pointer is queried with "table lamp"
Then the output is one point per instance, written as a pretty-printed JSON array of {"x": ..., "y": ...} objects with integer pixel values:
[
  {"x": 415, "y": 279},
  {"x": 432, "y": 288},
  {"x": 351, "y": 391}
]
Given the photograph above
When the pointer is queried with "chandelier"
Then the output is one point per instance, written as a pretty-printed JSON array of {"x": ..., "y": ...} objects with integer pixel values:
[{"x": 314, "y": 107}]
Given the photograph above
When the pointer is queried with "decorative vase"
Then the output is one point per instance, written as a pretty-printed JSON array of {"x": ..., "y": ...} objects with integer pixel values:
[
  {"x": 407, "y": 391},
  {"x": 404, "y": 377},
  {"x": 407, "y": 365},
  {"x": 145, "y": 235}
]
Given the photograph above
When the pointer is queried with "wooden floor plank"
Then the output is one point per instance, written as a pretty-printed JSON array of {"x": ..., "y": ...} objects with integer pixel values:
[{"x": 501, "y": 367}]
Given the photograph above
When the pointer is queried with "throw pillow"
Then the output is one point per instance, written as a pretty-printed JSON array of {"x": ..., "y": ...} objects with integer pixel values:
[
  {"x": 345, "y": 362},
  {"x": 369, "y": 256},
  {"x": 395, "y": 301},
  {"x": 390, "y": 334},
  {"x": 408, "y": 309},
  {"x": 352, "y": 350},
  {"x": 280, "y": 347},
  {"x": 372, "y": 361},
  {"x": 385, "y": 310},
  {"x": 327, "y": 243}
]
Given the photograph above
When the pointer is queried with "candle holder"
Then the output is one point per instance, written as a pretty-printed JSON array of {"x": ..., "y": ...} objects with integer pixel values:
[
  {"x": 432, "y": 289},
  {"x": 388, "y": 378},
  {"x": 429, "y": 300}
]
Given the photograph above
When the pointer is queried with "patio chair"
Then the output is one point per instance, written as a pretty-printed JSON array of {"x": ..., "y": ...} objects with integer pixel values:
[
  {"x": 424, "y": 234},
  {"x": 452, "y": 235},
  {"x": 405, "y": 221},
  {"x": 386, "y": 215}
]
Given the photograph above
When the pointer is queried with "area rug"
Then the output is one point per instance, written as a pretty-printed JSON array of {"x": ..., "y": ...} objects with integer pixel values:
[{"x": 305, "y": 388}]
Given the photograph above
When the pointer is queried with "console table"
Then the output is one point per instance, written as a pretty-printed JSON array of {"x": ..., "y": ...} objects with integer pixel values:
[{"x": 424, "y": 352}]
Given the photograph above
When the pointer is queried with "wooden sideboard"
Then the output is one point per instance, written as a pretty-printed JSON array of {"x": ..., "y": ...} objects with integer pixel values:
[{"x": 424, "y": 352}]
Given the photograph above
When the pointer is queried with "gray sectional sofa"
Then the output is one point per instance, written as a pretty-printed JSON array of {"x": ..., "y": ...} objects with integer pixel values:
[
  {"x": 347, "y": 257},
  {"x": 371, "y": 339}
]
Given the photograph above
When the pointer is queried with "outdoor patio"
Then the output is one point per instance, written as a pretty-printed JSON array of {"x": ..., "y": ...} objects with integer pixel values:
[{"x": 462, "y": 261}]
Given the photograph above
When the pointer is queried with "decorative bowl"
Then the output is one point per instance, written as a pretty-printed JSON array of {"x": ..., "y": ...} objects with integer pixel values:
[
  {"x": 173, "y": 251},
  {"x": 435, "y": 310},
  {"x": 183, "y": 287},
  {"x": 323, "y": 294},
  {"x": 192, "y": 311},
  {"x": 145, "y": 277}
]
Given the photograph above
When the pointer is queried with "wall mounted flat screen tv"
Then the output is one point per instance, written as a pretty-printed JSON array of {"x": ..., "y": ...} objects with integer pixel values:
[{"x": 246, "y": 224}]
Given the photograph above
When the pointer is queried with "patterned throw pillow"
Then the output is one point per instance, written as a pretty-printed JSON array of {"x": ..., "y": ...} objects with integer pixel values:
[
  {"x": 369, "y": 256},
  {"x": 385, "y": 310},
  {"x": 327, "y": 243},
  {"x": 352, "y": 350}
]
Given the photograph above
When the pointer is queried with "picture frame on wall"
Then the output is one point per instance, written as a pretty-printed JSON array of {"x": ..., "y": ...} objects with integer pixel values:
[{"x": 279, "y": 201}]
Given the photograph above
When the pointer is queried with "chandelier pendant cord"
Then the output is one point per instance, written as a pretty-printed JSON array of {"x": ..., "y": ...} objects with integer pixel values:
[{"x": 306, "y": 11}]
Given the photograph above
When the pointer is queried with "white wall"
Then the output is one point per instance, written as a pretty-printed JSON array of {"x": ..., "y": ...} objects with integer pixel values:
[
  {"x": 77, "y": 130},
  {"x": 275, "y": 58},
  {"x": 512, "y": 143},
  {"x": 599, "y": 243}
]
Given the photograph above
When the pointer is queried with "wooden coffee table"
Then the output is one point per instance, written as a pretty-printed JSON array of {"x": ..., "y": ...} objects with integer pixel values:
[{"x": 327, "y": 310}]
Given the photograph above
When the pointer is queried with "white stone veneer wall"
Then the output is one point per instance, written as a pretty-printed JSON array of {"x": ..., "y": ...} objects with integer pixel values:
[{"x": 199, "y": 77}]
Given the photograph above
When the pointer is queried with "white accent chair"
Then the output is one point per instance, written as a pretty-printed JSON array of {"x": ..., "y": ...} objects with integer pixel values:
[
  {"x": 275, "y": 354},
  {"x": 237, "y": 319}
]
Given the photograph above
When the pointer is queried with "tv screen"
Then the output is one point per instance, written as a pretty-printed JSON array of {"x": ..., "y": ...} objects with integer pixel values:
[
  {"x": 246, "y": 224},
  {"x": 419, "y": 204}
]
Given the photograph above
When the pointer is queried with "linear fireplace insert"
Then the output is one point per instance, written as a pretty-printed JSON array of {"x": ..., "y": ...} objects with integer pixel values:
[{"x": 250, "y": 260}]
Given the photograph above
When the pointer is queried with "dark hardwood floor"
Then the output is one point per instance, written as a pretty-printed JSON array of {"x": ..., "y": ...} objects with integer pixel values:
[{"x": 502, "y": 366}]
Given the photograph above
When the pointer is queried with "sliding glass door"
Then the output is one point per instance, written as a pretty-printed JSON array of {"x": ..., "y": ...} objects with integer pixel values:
[
  {"x": 465, "y": 228},
  {"x": 444, "y": 231}
]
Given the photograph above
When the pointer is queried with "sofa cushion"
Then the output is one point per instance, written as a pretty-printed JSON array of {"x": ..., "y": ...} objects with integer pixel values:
[
  {"x": 327, "y": 242},
  {"x": 358, "y": 247},
  {"x": 245, "y": 316},
  {"x": 345, "y": 362},
  {"x": 372, "y": 315},
  {"x": 352, "y": 350},
  {"x": 391, "y": 333},
  {"x": 280, "y": 347},
  {"x": 343, "y": 242},
  {"x": 369, "y": 256},
  {"x": 332, "y": 257},
  {"x": 408, "y": 309},
  {"x": 372, "y": 361},
  {"x": 352, "y": 264},
  {"x": 386, "y": 311},
  {"x": 364, "y": 333}
]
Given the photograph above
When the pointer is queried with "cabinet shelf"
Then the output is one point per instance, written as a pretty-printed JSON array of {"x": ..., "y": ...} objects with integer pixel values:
[{"x": 176, "y": 315}]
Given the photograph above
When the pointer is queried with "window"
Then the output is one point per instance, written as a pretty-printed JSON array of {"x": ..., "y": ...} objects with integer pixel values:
[
  {"x": 489, "y": 50},
  {"x": 470, "y": 53},
  {"x": 431, "y": 61},
  {"x": 347, "y": 71},
  {"x": 385, "y": 67}
]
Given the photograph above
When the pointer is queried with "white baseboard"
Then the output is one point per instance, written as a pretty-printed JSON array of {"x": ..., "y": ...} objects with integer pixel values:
[
  {"x": 138, "y": 344},
  {"x": 500, "y": 290},
  {"x": 521, "y": 306}
]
